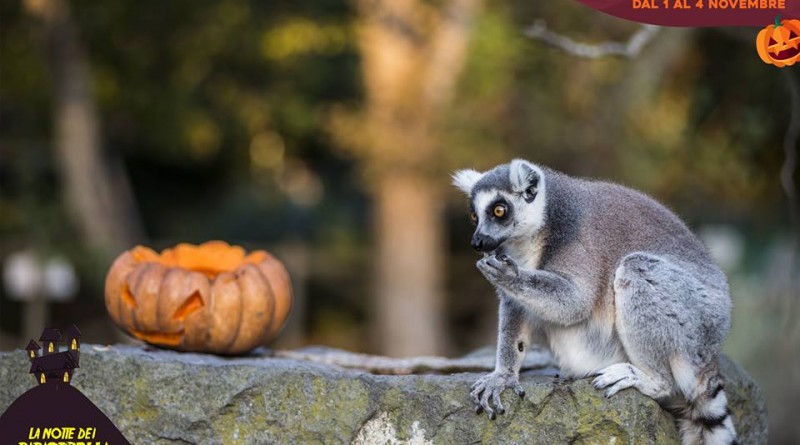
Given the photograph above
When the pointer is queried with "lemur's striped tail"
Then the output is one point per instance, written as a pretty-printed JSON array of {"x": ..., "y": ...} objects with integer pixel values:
[{"x": 705, "y": 418}]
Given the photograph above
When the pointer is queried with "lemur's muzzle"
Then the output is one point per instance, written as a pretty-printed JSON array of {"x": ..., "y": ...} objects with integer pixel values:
[{"x": 483, "y": 243}]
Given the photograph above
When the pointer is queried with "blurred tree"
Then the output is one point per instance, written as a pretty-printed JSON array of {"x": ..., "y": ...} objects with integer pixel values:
[
  {"x": 97, "y": 192},
  {"x": 413, "y": 53}
]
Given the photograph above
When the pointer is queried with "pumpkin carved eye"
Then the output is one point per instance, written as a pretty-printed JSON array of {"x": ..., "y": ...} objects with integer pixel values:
[
  {"x": 772, "y": 42},
  {"x": 499, "y": 211}
]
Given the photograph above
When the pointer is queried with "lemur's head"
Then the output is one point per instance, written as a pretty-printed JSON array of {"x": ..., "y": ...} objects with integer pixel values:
[{"x": 506, "y": 203}]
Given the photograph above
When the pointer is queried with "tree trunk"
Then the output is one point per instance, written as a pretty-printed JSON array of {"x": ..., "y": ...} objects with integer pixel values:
[
  {"x": 410, "y": 247},
  {"x": 412, "y": 56},
  {"x": 101, "y": 202}
]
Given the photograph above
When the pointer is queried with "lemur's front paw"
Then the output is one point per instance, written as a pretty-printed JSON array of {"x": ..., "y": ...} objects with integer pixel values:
[
  {"x": 489, "y": 387},
  {"x": 499, "y": 269}
]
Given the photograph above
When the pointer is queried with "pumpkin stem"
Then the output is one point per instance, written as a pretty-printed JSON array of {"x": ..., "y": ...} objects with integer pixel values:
[{"x": 777, "y": 20}]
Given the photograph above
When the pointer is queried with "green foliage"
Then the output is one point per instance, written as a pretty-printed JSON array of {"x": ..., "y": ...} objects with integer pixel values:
[
  {"x": 199, "y": 100},
  {"x": 227, "y": 96}
]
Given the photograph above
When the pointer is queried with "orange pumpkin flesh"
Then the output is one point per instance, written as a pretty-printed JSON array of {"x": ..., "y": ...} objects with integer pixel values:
[
  {"x": 208, "y": 298},
  {"x": 779, "y": 44}
]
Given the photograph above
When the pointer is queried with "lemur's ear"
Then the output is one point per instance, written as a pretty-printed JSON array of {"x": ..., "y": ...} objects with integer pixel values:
[
  {"x": 524, "y": 178},
  {"x": 466, "y": 179}
]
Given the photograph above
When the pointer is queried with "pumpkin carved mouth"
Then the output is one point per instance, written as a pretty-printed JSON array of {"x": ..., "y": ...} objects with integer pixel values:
[
  {"x": 213, "y": 297},
  {"x": 193, "y": 303},
  {"x": 786, "y": 54}
]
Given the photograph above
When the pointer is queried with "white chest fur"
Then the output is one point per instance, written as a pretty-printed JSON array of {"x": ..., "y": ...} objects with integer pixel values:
[
  {"x": 583, "y": 349},
  {"x": 526, "y": 253}
]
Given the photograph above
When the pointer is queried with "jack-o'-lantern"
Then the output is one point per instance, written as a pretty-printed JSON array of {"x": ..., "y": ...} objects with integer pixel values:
[
  {"x": 779, "y": 44},
  {"x": 208, "y": 298}
]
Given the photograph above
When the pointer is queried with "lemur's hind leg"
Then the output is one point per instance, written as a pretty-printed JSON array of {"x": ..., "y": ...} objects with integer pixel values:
[
  {"x": 642, "y": 324},
  {"x": 671, "y": 326}
]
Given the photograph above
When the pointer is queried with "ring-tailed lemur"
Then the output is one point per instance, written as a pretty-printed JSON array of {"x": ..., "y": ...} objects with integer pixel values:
[{"x": 615, "y": 283}]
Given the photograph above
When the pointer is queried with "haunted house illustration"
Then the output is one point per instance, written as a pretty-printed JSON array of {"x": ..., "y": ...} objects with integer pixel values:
[{"x": 55, "y": 365}]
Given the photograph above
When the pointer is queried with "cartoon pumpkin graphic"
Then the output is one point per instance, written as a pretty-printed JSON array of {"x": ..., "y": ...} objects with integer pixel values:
[
  {"x": 208, "y": 298},
  {"x": 779, "y": 44}
]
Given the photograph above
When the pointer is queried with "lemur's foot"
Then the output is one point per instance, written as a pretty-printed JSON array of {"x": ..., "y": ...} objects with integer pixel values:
[
  {"x": 489, "y": 387},
  {"x": 615, "y": 378},
  {"x": 498, "y": 269}
]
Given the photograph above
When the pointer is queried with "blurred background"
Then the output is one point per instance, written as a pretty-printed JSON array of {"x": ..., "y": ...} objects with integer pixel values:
[{"x": 326, "y": 131}]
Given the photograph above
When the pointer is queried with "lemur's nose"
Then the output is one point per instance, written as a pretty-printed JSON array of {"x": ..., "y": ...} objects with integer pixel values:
[
  {"x": 485, "y": 243},
  {"x": 477, "y": 243}
]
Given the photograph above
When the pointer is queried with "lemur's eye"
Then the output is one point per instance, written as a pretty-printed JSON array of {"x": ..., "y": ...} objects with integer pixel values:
[
  {"x": 473, "y": 217},
  {"x": 499, "y": 211}
]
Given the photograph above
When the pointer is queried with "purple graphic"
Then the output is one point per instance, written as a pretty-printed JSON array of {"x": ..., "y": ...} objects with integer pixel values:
[{"x": 54, "y": 411}]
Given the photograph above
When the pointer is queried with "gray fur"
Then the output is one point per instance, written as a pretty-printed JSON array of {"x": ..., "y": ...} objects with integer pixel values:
[{"x": 614, "y": 282}]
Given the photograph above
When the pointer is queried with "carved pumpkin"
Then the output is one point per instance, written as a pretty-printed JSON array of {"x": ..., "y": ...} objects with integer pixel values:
[
  {"x": 779, "y": 44},
  {"x": 208, "y": 298}
]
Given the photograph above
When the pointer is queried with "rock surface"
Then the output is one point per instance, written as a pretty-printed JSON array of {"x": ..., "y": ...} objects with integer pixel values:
[{"x": 163, "y": 397}]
